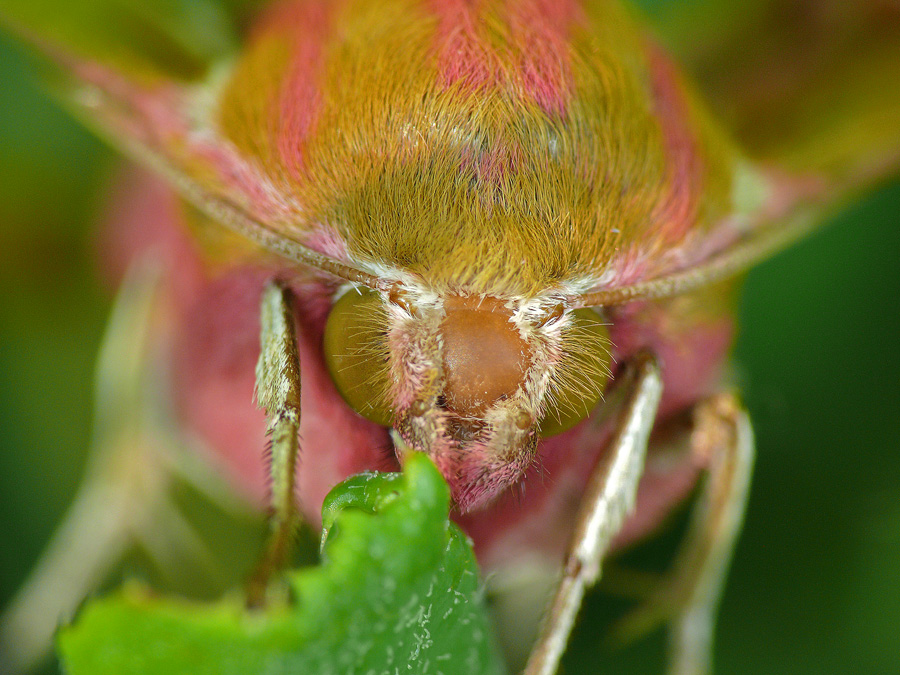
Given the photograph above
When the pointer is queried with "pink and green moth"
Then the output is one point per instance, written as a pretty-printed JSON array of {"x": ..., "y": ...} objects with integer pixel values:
[{"x": 506, "y": 234}]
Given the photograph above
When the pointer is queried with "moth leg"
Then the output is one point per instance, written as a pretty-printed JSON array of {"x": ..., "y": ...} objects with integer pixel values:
[
  {"x": 278, "y": 392},
  {"x": 608, "y": 499},
  {"x": 722, "y": 441}
]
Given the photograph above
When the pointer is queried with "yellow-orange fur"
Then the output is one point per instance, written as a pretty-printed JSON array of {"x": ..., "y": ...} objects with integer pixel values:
[{"x": 480, "y": 190}]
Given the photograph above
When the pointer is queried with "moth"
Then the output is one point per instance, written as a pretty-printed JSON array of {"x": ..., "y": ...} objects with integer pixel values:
[{"x": 508, "y": 235}]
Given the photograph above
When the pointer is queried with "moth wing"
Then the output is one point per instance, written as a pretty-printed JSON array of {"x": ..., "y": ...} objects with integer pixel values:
[
  {"x": 808, "y": 88},
  {"x": 148, "y": 76}
]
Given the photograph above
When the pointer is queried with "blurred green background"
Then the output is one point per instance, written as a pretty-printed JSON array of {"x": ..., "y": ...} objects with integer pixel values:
[{"x": 815, "y": 586}]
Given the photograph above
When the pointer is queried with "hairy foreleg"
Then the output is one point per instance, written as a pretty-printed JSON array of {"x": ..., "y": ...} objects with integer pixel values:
[
  {"x": 278, "y": 392},
  {"x": 607, "y": 501}
]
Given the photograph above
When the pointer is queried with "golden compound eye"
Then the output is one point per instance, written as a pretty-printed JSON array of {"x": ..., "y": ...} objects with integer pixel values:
[
  {"x": 581, "y": 374},
  {"x": 355, "y": 346}
]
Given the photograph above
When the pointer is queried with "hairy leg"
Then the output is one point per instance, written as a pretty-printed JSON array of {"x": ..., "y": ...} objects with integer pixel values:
[
  {"x": 278, "y": 392},
  {"x": 721, "y": 440},
  {"x": 609, "y": 497}
]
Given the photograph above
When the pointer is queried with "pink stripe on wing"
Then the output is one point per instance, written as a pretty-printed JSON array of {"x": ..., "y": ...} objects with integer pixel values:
[
  {"x": 541, "y": 30},
  {"x": 677, "y": 210},
  {"x": 310, "y": 23},
  {"x": 532, "y": 64},
  {"x": 463, "y": 56}
]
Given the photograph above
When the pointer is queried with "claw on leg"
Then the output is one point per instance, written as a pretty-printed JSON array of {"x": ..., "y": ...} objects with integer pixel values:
[
  {"x": 609, "y": 497},
  {"x": 278, "y": 392}
]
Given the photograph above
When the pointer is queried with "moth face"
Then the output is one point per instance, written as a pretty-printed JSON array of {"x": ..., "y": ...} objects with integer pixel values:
[{"x": 473, "y": 381}]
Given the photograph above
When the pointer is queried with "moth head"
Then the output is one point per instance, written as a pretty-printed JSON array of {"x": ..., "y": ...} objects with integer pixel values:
[{"x": 473, "y": 381}]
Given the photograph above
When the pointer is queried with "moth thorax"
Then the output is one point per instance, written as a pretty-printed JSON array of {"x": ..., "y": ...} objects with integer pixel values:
[{"x": 485, "y": 358}]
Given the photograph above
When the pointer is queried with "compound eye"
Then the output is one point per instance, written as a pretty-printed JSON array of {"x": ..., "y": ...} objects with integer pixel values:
[
  {"x": 356, "y": 353},
  {"x": 582, "y": 373}
]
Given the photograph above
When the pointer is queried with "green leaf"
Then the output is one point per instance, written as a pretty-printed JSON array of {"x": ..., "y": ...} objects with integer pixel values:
[{"x": 397, "y": 591}]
